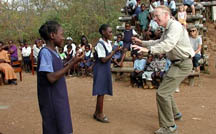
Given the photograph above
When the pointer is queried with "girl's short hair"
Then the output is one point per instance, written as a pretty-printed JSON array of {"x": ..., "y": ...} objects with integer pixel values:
[
  {"x": 47, "y": 28},
  {"x": 103, "y": 28}
]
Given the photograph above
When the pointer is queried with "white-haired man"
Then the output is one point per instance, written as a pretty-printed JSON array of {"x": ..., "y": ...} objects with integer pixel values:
[{"x": 176, "y": 45}]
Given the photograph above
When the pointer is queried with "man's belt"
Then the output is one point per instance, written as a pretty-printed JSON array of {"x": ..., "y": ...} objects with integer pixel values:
[{"x": 181, "y": 60}]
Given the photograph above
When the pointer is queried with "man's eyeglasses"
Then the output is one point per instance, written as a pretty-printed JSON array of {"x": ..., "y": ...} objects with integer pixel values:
[{"x": 192, "y": 30}]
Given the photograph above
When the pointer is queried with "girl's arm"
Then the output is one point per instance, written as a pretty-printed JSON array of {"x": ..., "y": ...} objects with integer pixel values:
[
  {"x": 199, "y": 49},
  {"x": 178, "y": 16},
  {"x": 54, "y": 76}
]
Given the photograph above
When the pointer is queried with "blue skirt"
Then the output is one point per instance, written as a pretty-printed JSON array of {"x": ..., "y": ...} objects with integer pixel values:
[{"x": 102, "y": 79}]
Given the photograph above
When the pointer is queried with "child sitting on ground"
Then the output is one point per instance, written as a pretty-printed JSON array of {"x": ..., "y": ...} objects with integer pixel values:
[
  {"x": 86, "y": 63},
  {"x": 160, "y": 69},
  {"x": 149, "y": 69},
  {"x": 116, "y": 58},
  {"x": 136, "y": 75}
]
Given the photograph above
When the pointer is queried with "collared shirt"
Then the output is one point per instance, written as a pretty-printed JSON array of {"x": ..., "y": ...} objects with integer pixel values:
[
  {"x": 36, "y": 51},
  {"x": 143, "y": 18},
  {"x": 131, "y": 3},
  {"x": 46, "y": 63},
  {"x": 174, "y": 42},
  {"x": 72, "y": 50},
  {"x": 100, "y": 49},
  {"x": 26, "y": 51},
  {"x": 139, "y": 64}
]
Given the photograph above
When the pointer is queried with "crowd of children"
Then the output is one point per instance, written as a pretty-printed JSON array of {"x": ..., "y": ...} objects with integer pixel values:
[{"x": 148, "y": 72}]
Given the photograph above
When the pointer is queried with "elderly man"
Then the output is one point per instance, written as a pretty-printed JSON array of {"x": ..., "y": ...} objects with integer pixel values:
[{"x": 176, "y": 44}]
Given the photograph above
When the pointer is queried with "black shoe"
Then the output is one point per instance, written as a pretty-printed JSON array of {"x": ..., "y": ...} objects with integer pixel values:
[{"x": 13, "y": 82}]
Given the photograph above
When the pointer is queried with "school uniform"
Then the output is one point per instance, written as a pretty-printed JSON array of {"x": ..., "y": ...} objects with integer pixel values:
[
  {"x": 102, "y": 80},
  {"x": 118, "y": 54},
  {"x": 127, "y": 38},
  {"x": 87, "y": 57},
  {"x": 52, "y": 97}
]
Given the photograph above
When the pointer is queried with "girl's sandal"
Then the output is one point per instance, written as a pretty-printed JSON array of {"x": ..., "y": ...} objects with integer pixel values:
[{"x": 103, "y": 120}]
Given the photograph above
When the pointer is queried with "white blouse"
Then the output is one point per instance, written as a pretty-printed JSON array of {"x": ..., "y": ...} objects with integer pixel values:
[{"x": 100, "y": 49}]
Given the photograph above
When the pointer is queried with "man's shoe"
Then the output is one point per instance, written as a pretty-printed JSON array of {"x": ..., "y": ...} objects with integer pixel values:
[
  {"x": 166, "y": 130},
  {"x": 178, "y": 116}
]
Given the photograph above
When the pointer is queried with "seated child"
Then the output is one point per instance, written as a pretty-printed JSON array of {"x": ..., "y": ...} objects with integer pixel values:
[
  {"x": 116, "y": 58},
  {"x": 130, "y": 6},
  {"x": 189, "y": 3},
  {"x": 149, "y": 69},
  {"x": 153, "y": 4},
  {"x": 69, "y": 56},
  {"x": 172, "y": 7},
  {"x": 128, "y": 34},
  {"x": 153, "y": 30},
  {"x": 136, "y": 76},
  {"x": 182, "y": 15},
  {"x": 62, "y": 55},
  {"x": 143, "y": 18},
  {"x": 160, "y": 69},
  {"x": 87, "y": 62}
]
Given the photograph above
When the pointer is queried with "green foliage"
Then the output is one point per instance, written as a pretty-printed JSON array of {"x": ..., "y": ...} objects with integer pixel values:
[{"x": 77, "y": 17}]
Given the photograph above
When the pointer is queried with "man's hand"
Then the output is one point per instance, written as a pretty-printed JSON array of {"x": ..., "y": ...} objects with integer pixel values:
[
  {"x": 141, "y": 49},
  {"x": 136, "y": 40}
]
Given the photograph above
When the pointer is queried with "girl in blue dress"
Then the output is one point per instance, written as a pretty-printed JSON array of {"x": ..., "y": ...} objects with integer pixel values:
[
  {"x": 51, "y": 85},
  {"x": 102, "y": 81}
]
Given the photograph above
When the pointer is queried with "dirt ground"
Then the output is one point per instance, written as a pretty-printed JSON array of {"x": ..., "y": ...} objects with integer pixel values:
[{"x": 130, "y": 110}]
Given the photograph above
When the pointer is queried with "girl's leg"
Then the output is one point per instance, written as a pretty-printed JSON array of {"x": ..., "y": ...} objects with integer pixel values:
[{"x": 99, "y": 106}]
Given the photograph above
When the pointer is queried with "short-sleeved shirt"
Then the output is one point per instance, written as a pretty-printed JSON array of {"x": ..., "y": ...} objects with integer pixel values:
[
  {"x": 139, "y": 64},
  {"x": 131, "y": 3},
  {"x": 181, "y": 15},
  {"x": 36, "y": 51},
  {"x": 14, "y": 49},
  {"x": 26, "y": 51},
  {"x": 46, "y": 64},
  {"x": 151, "y": 8},
  {"x": 195, "y": 42},
  {"x": 100, "y": 49},
  {"x": 154, "y": 25},
  {"x": 172, "y": 5},
  {"x": 89, "y": 53},
  {"x": 72, "y": 50},
  {"x": 137, "y": 11},
  {"x": 143, "y": 18}
]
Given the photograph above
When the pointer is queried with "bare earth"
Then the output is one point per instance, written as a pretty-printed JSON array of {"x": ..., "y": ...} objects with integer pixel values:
[{"x": 130, "y": 110}]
